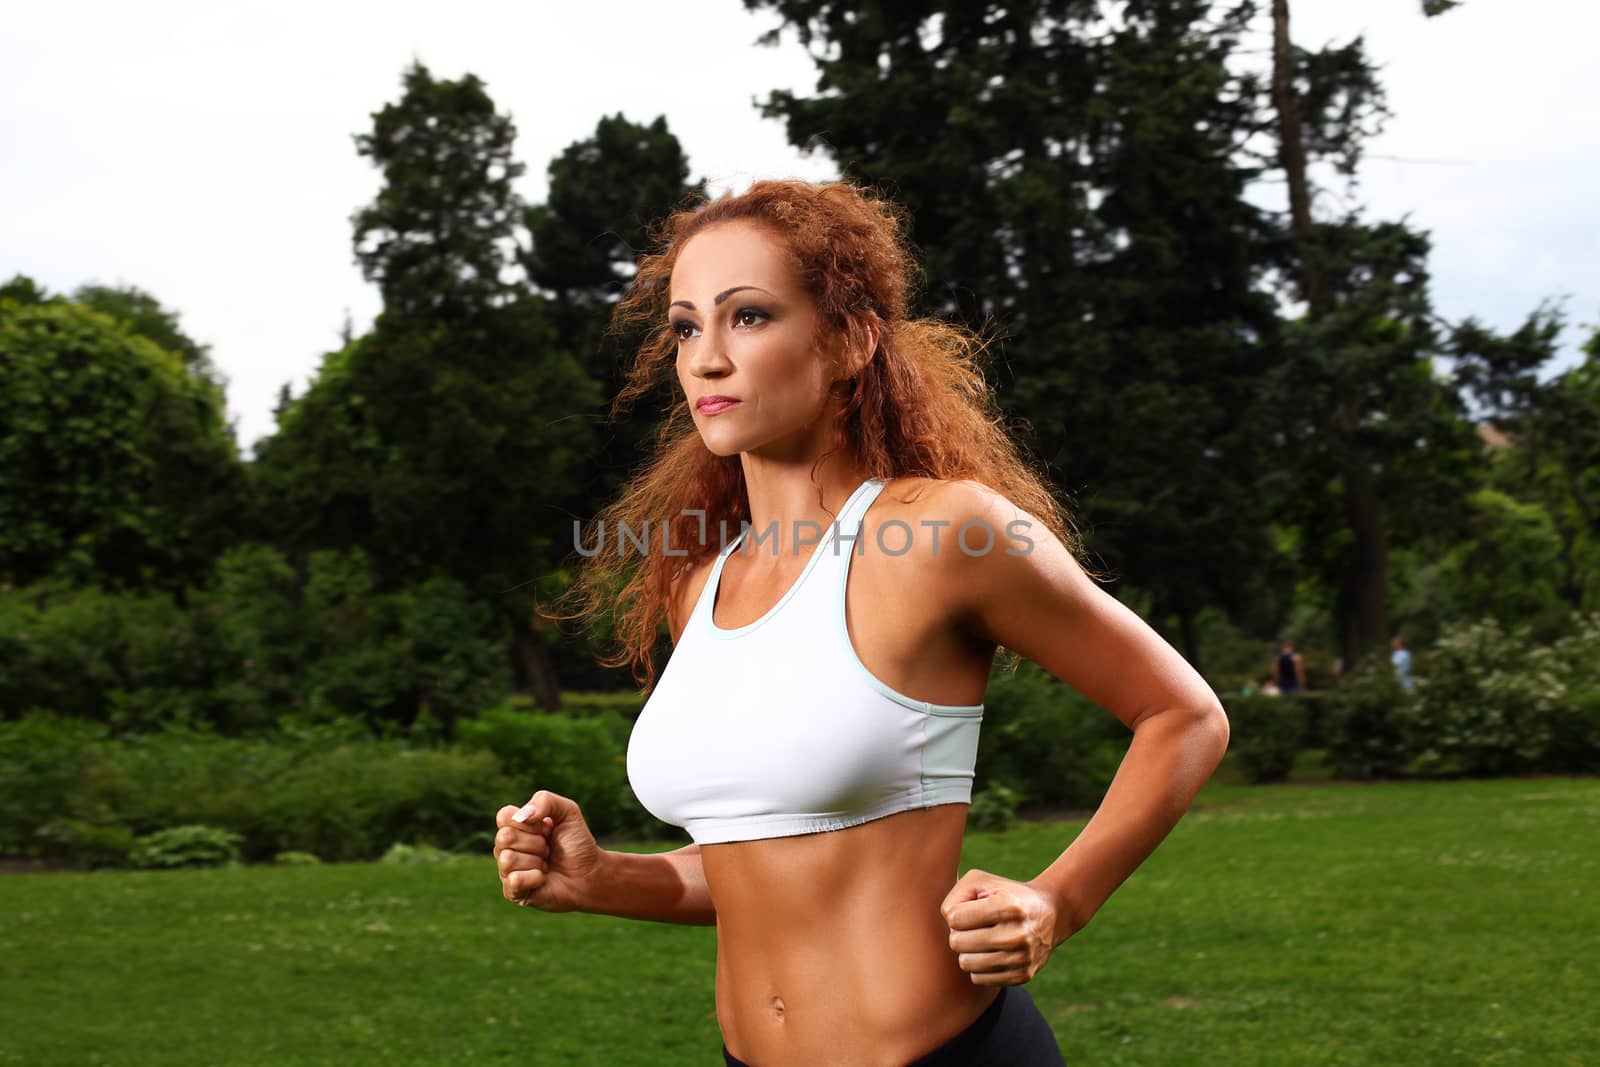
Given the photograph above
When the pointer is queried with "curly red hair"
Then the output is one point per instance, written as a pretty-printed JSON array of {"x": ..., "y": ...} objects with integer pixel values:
[{"x": 918, "y": 404}]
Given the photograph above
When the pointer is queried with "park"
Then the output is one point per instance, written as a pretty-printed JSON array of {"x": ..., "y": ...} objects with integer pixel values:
[{"x": 259, "y": 705}]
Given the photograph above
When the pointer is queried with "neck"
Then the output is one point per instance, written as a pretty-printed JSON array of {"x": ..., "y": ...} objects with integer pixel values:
[{"x": 786, "y": 498}]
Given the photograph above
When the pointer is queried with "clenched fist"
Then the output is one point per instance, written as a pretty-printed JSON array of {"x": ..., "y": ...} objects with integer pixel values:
[{"x": 545, "y": 853}]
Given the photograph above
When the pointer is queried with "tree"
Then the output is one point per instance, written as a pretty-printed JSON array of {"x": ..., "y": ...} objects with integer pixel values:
[
  {"x": 116, "y": 467},
  {"x": 1357, "y": 382},
  {"x": 604, "y": 192},
  {"x": 1083, "y": 200},
  {"x": 144, "y": 316},
  {"x": 450, "y": 440},
  {"x": 437, "y": 238}
]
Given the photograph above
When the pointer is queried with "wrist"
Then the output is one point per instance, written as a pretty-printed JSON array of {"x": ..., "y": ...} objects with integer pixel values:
[
  {"x": 1072, "y": 912},
  {"x": 591, "y": 897}
]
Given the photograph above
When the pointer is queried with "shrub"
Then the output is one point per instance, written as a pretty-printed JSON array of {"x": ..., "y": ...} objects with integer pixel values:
[
  {"x": 188, "y": 846},
  {"x": 1369, "y": 724},
  {"x": 994, "y": 808},
  {"x": 41, "y": 771},
  {"x": 1265, "y": 734},
  {"x": 582, "y": 758},
  {"x": 400, "y": 853},
  {"x": 296, "y": 859},
  {"x": 1488, "y": 701},
  {"x": 86, "y": 844},
  {"x": 352, "y": 801},
  {"x": 1050, "y": 744},
  {"x": 180, "y": 775}
]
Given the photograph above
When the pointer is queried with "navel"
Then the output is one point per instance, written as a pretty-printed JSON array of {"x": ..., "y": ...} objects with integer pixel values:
[{"x": 776, "y": 1003}]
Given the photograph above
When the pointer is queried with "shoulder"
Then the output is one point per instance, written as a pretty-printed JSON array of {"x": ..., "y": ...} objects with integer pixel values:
[
  {"x": 966, "y": 536},
  {"x": 938, "y": 502}
]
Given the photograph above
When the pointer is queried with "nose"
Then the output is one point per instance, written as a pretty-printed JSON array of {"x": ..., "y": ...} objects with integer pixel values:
[{"x": 709, "y": 358}]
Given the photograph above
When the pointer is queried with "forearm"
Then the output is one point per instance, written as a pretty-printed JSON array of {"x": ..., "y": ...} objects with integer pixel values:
[
  {"x": 660, "y": 886},
  {"x": 1172, "y": 755}
]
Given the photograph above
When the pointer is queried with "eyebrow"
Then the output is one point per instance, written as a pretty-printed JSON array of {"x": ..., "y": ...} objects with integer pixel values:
[{"x": 720, "y": 297}]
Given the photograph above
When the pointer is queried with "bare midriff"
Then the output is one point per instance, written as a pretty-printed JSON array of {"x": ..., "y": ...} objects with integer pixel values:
[{"x": 831, "y": 948}]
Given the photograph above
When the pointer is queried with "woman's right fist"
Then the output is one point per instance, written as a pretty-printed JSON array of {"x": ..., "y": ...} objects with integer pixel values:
[{"x": 548, "y": 858}]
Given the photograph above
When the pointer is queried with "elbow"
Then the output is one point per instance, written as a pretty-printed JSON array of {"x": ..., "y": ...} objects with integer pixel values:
[{"x": 1209, "y": 728}]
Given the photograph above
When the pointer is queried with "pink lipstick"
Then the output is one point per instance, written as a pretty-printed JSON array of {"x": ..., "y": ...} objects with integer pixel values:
[{"x": 711, "y": 405}]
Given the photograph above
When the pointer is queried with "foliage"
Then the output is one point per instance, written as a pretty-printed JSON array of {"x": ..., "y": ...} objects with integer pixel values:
[
  {"x": 433, "y": 239},
  {"x": 1371, "y": 724},
  {"x": 1487, "y": 701},
  {"x": 296, "y": 859},
  {"x": 1508, "y": 568},
  {"x": 404, "y": 854},
  {"x": 257, "y": 644},
  {"x": 1085, "y": 205},
  {"x": 188, "y": 846},
  {"x": 584, "y": 758},
  {"x": 604, "y": 192},
  {"x": 1047, "y": 742},
  {"x": 143, "y": 315},
  {"x": 993, "y": 809},
  {"x": 116, "y": 465},
  {"x": 88, "y": 845},
  {"x": 1266, "y": 733},
  {"x": 69, "y": 790},
  {"x": 42, "y": 767}
]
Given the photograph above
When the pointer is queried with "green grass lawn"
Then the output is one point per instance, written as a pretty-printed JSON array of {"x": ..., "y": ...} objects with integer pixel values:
[{"x": 1306, "y": 923}]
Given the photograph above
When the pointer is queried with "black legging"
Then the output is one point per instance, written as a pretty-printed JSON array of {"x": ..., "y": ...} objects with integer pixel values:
[{"x": 1011, "y": 1032}]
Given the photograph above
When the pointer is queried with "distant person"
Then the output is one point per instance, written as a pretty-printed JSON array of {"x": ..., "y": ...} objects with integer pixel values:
[
  {"x": 1401, "y": 659},
  {"x": 1288, "y": 671}
]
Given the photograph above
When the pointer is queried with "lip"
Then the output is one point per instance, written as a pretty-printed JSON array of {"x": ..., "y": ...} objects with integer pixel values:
[{"x": 712, "y": 405}]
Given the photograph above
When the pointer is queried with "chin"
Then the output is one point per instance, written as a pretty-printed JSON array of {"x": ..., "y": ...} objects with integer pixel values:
[{"x": 721, "y": 444}]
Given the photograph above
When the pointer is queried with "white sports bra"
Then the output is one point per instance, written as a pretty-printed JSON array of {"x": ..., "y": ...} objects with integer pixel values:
[{"x": 776, "y": 728}]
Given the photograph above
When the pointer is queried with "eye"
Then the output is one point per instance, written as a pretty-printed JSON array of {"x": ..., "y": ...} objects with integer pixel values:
[
  {"x": 742, "y": 312},
  {"x": 678, "y": 326}
]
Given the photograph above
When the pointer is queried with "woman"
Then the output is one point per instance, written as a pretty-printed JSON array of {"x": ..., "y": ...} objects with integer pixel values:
[{"x": 816, "y": 723}]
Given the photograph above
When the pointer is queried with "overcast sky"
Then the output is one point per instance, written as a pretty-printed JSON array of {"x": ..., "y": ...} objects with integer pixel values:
[{"x": 203, "y": 152}]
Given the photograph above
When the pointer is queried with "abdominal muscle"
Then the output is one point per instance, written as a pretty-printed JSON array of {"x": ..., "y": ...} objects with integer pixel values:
[{"x": 831, "y": 949}]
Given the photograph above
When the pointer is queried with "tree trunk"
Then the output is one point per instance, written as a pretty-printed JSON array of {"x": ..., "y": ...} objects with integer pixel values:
[
  {"x": 1366, "y": 625},
  {"x": 1362, "y": 623},
  {"x": 1292, "y": 152},
  {"x": 543, "y": 683}
]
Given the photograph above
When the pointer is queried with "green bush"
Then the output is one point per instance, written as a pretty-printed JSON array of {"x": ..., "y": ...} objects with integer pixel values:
[
  {"x": 188, "y": 846},
  {"x": 994, "y": 809},
  {"x": 432, "y": 647},
  {"x": 1046, "y": 741},
  {"x": 584, "y": 758},
  {"x": 41, "y": 771},
  {"x": 1575, "y": 734},
  {"x": 1265, "y": 734},
  {"x": 254, "y": 645},
  {"x": 180, "y": 775},
  {"x": 407, "y": 855},
  {"x": 346, "y": 800},
  {"x": 1370, "y": 724},
  {"x": 86, "y": 844},
  {"x": 296, "y": 859},
  {"x": 351, "y": 802},
  {"x": 1488, "y": 701}
]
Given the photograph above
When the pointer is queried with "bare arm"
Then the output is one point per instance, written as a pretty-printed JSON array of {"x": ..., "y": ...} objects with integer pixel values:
[
  {"x": 667, "y": 887},
  {"x": 659, "y": 886},
  {"x": 1043, "y": 605}
]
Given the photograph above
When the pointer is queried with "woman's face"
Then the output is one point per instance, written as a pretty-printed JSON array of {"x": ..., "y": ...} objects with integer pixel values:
[{"x": 747, "y": 330}]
